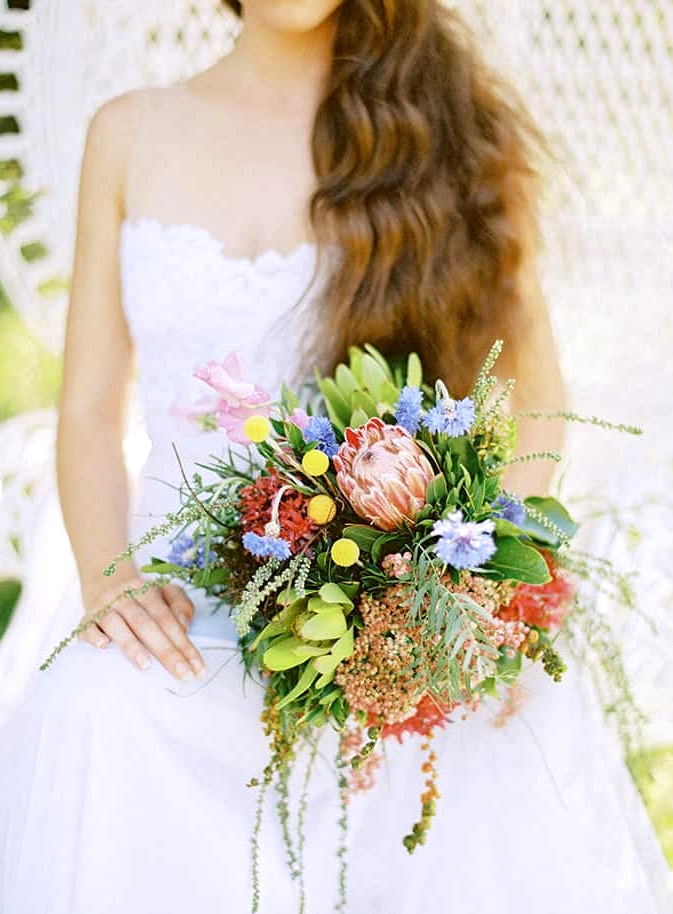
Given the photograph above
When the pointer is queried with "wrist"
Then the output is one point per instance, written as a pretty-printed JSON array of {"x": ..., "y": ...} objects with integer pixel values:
[{"x": 95, "y": 583}]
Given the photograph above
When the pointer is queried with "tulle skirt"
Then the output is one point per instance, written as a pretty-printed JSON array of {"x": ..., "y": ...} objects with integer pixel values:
[{"x": 127, "y": 791}]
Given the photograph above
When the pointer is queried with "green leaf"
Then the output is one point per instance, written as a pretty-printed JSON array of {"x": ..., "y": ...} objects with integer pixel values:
[
  {"x": 281, "y": 655},
  {"x": 506, "y": 528},
  {"x": 515, "y": 561},
  {"x": 373, "y": 376},
  {"x": 10, "y": 591},
  {"x": 325, "y": 625},
  {"x": 344, "y": 646},
  {"x": 390, "y": 394},
  {"x": 332, "y": 593},
  {"x": 380, "y": 359},
  {"x": 363, "y": 535},
  {"x": 509, "y": 667},
  {"x": 346, "y": 381},
  {"x": 305, "y": 682},
  {"x": 358, "y": 417},
  {"x": 355, "y": 355},
  {"x": 288, "y": 398},
  {"x": 159, "y": 567},
  {"x": 269, "y": 631},
  {"x": 334, "y": 397},
  {"x": 414, "y": 371},
  {"x": 362, "y": 400},
  {"x": 556, "y": 513},
  {"x": 386, "y": 541},
  {"x": 437, "y": 489},
  {"x": 463, "y": 451},
  {"x": 294, "y": 436}
]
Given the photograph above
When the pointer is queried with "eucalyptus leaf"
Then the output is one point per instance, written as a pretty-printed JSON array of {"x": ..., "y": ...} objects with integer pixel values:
[
  {"x": 514, "y": 561},
  {"x": 556, "y": 513}
]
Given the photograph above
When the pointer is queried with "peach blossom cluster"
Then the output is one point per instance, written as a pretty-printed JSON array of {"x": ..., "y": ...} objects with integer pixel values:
[
  {"x": 375, "y": 677},
  {"x": 397, "y": 565}
]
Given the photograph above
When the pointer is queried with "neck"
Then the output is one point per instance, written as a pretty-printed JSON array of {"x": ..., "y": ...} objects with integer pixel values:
[{"x": 280, "y": 65}]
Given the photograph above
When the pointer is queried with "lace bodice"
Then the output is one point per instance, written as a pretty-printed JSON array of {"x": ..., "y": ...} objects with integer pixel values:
[{"x": 187, "y": 302}]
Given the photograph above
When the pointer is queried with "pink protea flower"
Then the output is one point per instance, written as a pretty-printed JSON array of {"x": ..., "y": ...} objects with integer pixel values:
[{"x": 383, "y": 473}]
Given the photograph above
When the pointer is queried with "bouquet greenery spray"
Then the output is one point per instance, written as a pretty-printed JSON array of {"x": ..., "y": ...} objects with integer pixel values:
[{"x": 380, "y": 576}]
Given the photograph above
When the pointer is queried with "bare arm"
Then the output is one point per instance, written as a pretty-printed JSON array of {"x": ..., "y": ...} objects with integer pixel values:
[{"x": 92, "y": 480}]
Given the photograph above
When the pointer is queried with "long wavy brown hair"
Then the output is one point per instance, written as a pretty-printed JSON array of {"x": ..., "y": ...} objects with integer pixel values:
[{"x": 425, "y": 177}]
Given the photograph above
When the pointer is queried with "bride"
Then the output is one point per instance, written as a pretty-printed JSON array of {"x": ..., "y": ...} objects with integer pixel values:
[{"x": 350, "y": 172}]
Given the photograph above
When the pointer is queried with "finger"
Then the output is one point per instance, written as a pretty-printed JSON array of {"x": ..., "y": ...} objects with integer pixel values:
[
  {"x": 116, "y": 628},
  {"x": 163, "y": 615},
  {"x": 180, "y": 604},
  {"x": 93, "y": 635},
  {"x": 151, "y": 634}
]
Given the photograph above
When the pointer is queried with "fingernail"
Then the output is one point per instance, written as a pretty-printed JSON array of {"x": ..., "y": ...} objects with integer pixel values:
[
  {"x": 199, "y": 667},
  {"x": 182, "y": 671},
  {"x": 184, "y": 620},
  {"x": 143, "y": 661},
  {"x": 102, "y": 642}
]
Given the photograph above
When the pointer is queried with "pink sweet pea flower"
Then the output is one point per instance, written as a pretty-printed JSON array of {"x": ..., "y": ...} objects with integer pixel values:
[
  {"x": 237, "y": 399},
  {"x": 227, "y": 378},
  {"x": 201, "y": 415},
  {"x": 299, "y": 417}
]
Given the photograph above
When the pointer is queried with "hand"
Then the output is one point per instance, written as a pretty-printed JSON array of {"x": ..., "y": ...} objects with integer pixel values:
[{"x": 151, "y": 624}]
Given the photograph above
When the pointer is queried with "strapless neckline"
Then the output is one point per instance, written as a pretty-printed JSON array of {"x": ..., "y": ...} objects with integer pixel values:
[{"x": 204, "y": 236}]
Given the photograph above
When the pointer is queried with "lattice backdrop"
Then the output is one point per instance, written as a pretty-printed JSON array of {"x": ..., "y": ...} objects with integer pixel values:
[{"x": 598, "y": 75}]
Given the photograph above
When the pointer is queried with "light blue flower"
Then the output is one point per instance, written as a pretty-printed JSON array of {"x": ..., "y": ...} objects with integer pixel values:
[
  {"x": 451, "y": 417},
  {"x": 267, "y": 547},
  {"x": 464, "y": 544},
  {"x": 320, "y": 430},
  {"x": 187, "y": 552},
  {"x": 510, "y": 509},
  {"x": 408, "y": 409}
]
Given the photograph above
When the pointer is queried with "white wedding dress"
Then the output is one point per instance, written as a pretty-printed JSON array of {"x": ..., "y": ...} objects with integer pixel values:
[{"x": 124, "y": 792}]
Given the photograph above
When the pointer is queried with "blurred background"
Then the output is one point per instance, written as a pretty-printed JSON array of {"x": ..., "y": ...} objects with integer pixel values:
[{"x": 597, "y": 74}]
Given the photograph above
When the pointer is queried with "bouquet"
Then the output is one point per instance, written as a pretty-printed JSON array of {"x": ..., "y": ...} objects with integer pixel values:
[{"x": 380, "y": 576}]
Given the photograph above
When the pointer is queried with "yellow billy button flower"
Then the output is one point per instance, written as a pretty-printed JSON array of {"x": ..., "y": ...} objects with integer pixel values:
[
  {"x": 345, "y": 552},
  {"x": 257, "y": 428},
  {"x": 315, "y": 462},
  {"x": 322, "y": 509}
]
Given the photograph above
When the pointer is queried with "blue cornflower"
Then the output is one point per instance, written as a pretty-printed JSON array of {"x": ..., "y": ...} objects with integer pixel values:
[
  {"x": 320, "y": 430},
  {"x": 452, "y": 417},
  {"x": 509, "y": 509},
  {"x": 464, "y": 544},
  {"x": 187, "y": 552},
  {"x": 408, "y": 409},
  {"x": 267, "y": 547}
]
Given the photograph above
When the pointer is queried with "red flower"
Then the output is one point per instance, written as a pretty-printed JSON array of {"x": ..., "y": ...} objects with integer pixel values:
[
  {"x": 255, "y": 503},
  {"x": 429, "y": 713},
  {"x": 542, "y": 605}
]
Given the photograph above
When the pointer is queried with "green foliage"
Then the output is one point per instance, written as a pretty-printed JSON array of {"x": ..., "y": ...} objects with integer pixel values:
[
  {"x": 29, "y": 374},
  {"x": 10, "y": 591}
]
